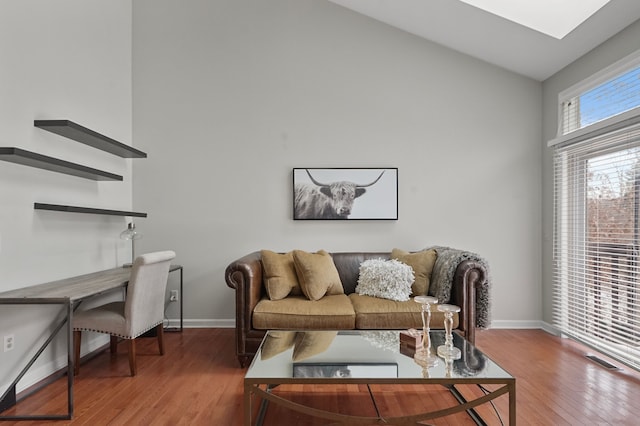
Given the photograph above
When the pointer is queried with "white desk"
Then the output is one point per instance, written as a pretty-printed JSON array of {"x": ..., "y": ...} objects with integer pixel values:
[{"x": 68, "y": 292}]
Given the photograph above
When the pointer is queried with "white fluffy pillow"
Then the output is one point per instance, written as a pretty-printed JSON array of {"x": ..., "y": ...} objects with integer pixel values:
[{"x": 388, "y": 279}]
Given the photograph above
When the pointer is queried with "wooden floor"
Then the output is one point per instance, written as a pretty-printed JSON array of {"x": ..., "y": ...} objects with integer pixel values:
[{"x": 199, "y": 382}]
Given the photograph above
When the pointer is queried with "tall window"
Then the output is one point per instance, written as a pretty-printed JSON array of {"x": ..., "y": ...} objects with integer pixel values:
[{"x": 597, "y": 214}]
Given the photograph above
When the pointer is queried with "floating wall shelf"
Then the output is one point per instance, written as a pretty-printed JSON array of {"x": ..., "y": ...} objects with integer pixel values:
[
  {"x": 28, "y": 158},
  {"x": 74, "y": 209},
  {"x": 81, "y": 134}
]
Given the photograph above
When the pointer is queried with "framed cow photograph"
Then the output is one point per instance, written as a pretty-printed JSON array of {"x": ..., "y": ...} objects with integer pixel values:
[
  {"x": 355, "y": 370},
  {"x": 345, "y": 194}
]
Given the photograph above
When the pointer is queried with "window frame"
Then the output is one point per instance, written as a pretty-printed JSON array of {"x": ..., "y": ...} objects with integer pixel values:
[{"x": 606, "y": 125}]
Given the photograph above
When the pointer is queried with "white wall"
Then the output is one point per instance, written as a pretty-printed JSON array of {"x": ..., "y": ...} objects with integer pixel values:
[
  {"x": 614, "y": 49},
  {"x": 230, "y": 95},
  {"x": 68, "y": 59}
]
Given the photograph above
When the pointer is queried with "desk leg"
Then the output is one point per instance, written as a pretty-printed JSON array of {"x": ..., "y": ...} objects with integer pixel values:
[
  {"x": 70, "y": 360},
  {"x": 181, "y": 299},
  {"x": 178, "y": 329}
]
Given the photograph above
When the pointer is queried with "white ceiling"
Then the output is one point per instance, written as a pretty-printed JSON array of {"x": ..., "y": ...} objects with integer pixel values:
[{"x": 499, "y": 41}]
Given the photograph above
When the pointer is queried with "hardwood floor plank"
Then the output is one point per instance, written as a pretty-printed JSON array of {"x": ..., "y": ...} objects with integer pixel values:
[{"x": 198, "y": 382}]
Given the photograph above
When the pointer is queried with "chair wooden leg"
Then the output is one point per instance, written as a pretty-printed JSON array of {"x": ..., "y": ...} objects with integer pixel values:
[
  {"x": 113, "y": 345},
  {"x": 160, "y": 333},
  {"x": 132, "y": 356},
  {"x": 77, "y": 338}
]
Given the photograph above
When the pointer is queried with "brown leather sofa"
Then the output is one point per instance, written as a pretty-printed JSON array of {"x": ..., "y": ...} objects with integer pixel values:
[{"x": 245, "y": 275}]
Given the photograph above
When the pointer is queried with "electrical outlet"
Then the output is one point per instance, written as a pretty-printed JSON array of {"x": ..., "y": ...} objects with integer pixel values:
[
  {"x": 9, "y": 342},
  {"x": 173, "y": 296}
]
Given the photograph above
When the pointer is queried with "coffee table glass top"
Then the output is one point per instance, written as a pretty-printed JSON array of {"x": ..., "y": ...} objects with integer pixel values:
[{"x": 363, "y": 354}]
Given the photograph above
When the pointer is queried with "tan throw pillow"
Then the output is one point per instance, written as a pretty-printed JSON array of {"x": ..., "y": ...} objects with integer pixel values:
[
  {"x": 277, "y": 342},
  {"x": 310, "y": 343},
  {"x": 317, "y": 274},
  {"x": 422, "y": 264},
  {"x": 280, "y": 277}
]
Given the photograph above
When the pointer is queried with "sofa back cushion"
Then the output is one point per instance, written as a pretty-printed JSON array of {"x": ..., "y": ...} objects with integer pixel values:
[
  {"x": 422, "y": 264},
  {"x": 317, "y": 274},
  {"x": 348, "y": 266},
  {"x": 279, "y": 274}
]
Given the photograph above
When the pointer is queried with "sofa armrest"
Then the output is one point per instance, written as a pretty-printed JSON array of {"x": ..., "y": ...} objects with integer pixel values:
[
  {"x": 468, "y": 278},
  {"x": 461, "y": 278},
  {"x": 245, "y": 277}
]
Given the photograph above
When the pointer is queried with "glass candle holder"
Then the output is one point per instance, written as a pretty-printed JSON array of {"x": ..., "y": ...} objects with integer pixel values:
[
  {"x": 448, "y": 367},
  {"x": 423, "y": 355},
  {"x": 448, "y": 350},
  {"x": 425, "y": 364}
]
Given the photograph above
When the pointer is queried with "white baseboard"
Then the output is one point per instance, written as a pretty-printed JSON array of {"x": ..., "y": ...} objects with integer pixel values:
[
  {"x": 516, "y": 324},
  {"x": 522, "y": 325},
  {"x": 550, "y": 329},
  {"x": 230, "y": 323},
  {"x": 203, "y": 323}
]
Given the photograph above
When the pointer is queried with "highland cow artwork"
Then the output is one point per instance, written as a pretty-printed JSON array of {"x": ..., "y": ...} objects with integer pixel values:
[
  {"x": 341, "y": 370},
  {"x": 345, "y": 194}
]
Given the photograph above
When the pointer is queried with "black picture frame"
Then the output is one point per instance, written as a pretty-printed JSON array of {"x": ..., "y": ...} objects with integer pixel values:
[
  {"x": 342, "y": 193},
  {"x": 341, "y": 370}
]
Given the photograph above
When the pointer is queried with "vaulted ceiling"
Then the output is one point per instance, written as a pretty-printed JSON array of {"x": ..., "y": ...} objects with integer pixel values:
[{"x": 502, "y": 42}]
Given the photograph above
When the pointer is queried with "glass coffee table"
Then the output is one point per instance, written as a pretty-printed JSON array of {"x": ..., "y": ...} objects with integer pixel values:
[{"x": 371, "y": 358}]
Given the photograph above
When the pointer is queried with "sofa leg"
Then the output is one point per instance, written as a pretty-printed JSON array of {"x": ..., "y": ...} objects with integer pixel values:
[{"x": 244, "y": 360}]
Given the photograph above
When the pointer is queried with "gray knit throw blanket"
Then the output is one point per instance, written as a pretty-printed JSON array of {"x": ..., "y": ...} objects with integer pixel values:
[{"x": 442, "y": 278}]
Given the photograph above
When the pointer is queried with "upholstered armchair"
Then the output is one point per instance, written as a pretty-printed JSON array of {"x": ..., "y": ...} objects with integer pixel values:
[{"x": 142, "y": 309}]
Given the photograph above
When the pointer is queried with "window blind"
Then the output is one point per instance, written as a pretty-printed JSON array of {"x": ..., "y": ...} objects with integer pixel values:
[{"x": 597, "y": 242}]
